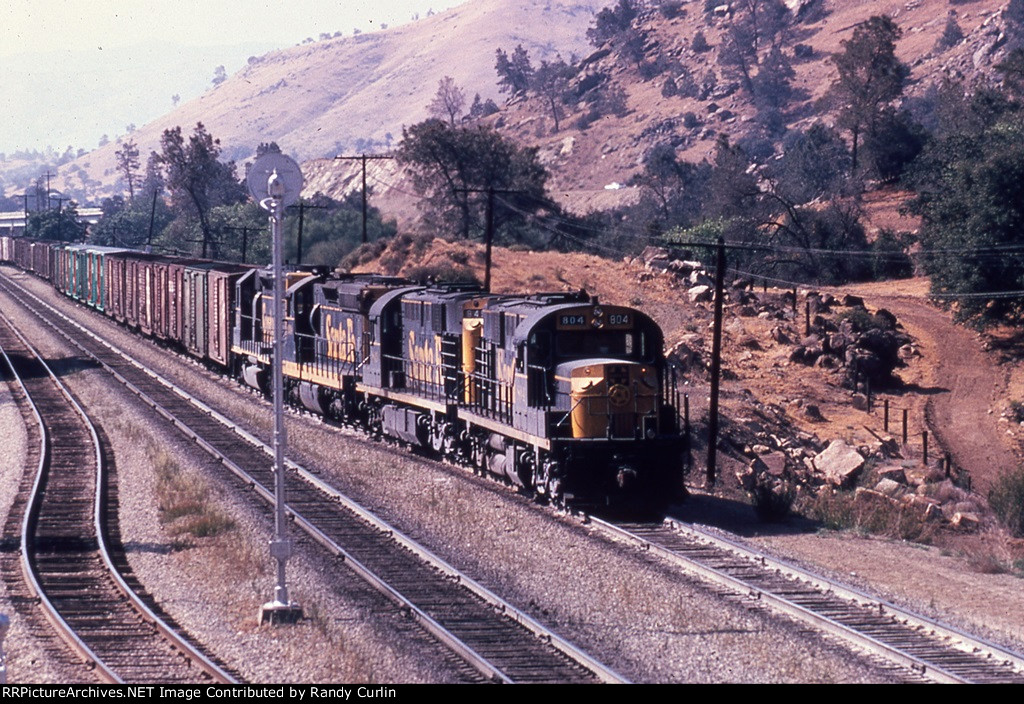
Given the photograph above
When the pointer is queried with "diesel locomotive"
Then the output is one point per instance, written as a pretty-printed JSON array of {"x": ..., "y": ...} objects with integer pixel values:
[{"x": 563, "y": 397}]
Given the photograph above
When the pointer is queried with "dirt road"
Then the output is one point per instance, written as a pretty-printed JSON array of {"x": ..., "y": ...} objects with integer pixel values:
[{"x": 967, "y": 389}]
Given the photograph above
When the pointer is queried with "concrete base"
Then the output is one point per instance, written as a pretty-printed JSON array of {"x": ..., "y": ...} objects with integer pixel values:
[{"x": 276, "y": 613}]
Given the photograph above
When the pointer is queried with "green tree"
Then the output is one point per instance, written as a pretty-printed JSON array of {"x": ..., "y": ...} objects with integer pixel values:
[
  {"x": 676, "y": 187},
  {"x": 514, "y": 74},
  {"x": 197, "y": 180},
  {"x": 971, "y": 201},
  {"x": 870, "y": 78},
  {"x": 127, "y": 159},
  {"x": 550, "y": 82},
  {"x": 130, "y": 223},
  {"x": 448, "y": 102},
  {"x": 331, "y": 229},
  {"x": 57, "y": 224},
  {"x": 813, "y": 166},
  {"x": 455, "y": 167},
  {"x": 610, "y": 22}
]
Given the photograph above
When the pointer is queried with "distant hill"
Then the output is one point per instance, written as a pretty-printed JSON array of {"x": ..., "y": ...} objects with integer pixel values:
[{"x": 356, "y": 92}]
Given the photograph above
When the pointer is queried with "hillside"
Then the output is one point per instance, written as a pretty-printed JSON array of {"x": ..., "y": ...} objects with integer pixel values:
[
  {"x": 585, "y": 162},
  {"x": 353, "y": 93}
]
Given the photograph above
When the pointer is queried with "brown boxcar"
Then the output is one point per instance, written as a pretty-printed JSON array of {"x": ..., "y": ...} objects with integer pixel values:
[
  {"x": 208, "y": 307},
  {"x": 115, "y": 284}
]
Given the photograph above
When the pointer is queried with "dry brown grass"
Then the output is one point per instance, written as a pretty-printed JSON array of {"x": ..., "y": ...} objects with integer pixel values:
[{"x": 184, "y": 499}]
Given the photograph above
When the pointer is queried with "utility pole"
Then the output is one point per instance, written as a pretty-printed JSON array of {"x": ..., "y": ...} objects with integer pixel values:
[
  {"x": 716, "y": 365},
  {"x": 302, "y": 212},
  {"x": 245, "y": 238},
  {"x": 152, "y": 219},
  {"x": 48, "y": 175},
  {"x": 488, "y": 225},
  {"x": 364, "y": 158}
]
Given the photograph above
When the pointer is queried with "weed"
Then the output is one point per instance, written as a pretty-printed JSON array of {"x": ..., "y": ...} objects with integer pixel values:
[
  {"x": 986, "y": 563},
  {"x": 1007, "y": 500},
  {"x": 184, "y": 502},
  {"x": 773, "y": 502}
]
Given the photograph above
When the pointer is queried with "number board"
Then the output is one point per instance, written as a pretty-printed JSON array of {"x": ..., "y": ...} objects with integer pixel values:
[{"x": 585, "y": 319}]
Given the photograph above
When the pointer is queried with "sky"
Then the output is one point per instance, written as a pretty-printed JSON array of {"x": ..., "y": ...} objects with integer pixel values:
[
  {"x": 52, "y": 25},
  {"x": 79, "y": 71}
]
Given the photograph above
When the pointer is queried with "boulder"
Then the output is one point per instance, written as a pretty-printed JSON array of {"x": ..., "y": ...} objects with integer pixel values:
[
  {"x": 965, "y": 521},
  {"x": 698, "y": 294},
  {"x": 890, "y": 488},
  {"x": 892, "y": 472},
  {"x": 774, "y": 463},
  {"x": 924, "y": 508},
  {"x": 651, "y": 254},
  {"x": 840, "y": 463},
  {"x": 813, "y": 413}
]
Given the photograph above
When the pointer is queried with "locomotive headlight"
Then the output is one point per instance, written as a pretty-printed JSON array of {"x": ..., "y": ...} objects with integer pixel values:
[{"x": 598, "y": 312}]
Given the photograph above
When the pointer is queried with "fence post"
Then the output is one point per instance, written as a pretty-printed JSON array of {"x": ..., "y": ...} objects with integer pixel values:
[
  {"x": 904, "y": 426},
  {"x": 885, "y": 415},
  {"x": 924, "y": 445}
]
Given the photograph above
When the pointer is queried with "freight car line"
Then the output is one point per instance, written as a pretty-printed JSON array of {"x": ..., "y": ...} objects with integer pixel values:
[
  {"x": 939, "y": 652},
  {"x": 463, "y": 614},
  {"x": 67, "y": 560}
]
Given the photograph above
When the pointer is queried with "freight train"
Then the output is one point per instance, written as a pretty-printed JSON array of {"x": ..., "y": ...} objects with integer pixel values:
[{"x": 568, "y": 400}]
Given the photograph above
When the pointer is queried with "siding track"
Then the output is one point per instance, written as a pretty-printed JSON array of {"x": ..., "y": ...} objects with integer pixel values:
[
  {"x": 932, "y": 650},
  {"x": 67, "y": 560}
]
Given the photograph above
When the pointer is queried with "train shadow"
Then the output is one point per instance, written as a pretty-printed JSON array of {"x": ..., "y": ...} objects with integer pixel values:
[
  {"x": 737, "y": 516},
  {"x": 28, "y": 367}
]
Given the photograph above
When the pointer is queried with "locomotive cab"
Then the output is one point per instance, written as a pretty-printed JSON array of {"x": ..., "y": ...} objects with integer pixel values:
[{"x": 593, "y": 371}]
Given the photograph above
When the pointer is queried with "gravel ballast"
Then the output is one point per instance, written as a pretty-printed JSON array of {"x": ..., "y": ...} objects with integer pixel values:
[{"x": 627, "y": 609}]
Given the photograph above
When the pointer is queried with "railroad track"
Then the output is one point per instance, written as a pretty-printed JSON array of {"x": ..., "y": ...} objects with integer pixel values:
[
  {"x": 500, "y": 641},
  {"x": 930, "y": 649},
  {"x": 67, "y": 560}
]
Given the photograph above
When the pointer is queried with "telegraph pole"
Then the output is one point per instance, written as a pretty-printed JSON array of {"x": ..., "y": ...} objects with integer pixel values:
[
  {"x": 363, "y": 158},
  {"x": 152, "y": 220},
  {"x": 716, "y": 365},
  {"x": 488, "y": 225},
  {"x": 302, "y": 212}
]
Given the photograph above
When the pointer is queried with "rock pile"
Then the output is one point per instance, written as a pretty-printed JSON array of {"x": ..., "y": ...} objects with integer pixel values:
[{"x": 925, "y": 492}]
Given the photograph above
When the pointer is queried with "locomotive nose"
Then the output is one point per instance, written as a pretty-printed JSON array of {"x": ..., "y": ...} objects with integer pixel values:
[{"x": 611, "y": 397}]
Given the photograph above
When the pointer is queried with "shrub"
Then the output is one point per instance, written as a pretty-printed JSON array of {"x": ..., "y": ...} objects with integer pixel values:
[
  {"x": 772, "y": 502},
  {"x": 442, "y": 273},
  {"x": 1007, "y": 500},
  {"x": 1017, "y": 411}
]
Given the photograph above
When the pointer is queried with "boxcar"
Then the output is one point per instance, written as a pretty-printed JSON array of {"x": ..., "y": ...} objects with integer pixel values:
[
  {"x": 41, "y": 259},
  {"x": 207, "y": 307}
]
